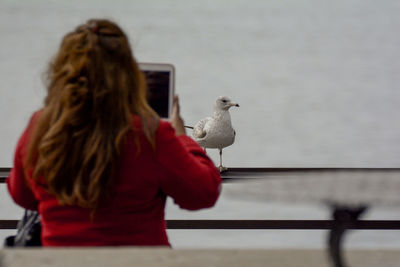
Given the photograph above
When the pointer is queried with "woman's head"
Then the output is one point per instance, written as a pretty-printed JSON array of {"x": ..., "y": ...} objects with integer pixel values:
[
  {"x": 95, "y": 63},
  {"x": 94, "y": 87}
]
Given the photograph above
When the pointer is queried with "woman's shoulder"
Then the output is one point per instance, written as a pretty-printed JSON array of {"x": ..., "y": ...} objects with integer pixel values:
[
  {"x": 33, "y": 120},
  {"x": 36, "y": 115},
  {"x": 164, "y": 128},
  {"x": 163, "y": 125}
]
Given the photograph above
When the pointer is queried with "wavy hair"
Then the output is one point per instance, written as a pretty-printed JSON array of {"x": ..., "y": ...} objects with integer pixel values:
[{"x": 94, "y": 87}]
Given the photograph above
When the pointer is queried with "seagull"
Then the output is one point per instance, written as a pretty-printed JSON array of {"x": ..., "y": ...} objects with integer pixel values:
[{"x": 216, "y": 131}]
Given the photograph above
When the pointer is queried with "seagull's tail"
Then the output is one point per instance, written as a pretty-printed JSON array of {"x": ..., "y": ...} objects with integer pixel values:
[{"x": 190, "y": 127}]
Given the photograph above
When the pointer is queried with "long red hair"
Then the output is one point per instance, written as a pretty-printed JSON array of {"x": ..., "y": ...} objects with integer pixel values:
[{"x": 94, "y": 87}]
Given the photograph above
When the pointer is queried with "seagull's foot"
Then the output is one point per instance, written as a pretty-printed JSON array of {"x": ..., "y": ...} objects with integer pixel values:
[{"x": 222, "y": 168}]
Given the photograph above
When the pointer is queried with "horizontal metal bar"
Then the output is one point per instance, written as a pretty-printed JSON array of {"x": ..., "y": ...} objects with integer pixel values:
[
  {"x": 4, "y": 174},
  {"x": 279, "y": 224},
  {"x": 247, "y": 224},
  {"x": 261, "y": 224},
  {"x": 8, "y": 224},
  {"x": 239, "y": 174}
]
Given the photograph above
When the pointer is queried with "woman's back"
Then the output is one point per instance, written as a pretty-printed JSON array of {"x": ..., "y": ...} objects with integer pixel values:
[{"x": 134, "y": 214}]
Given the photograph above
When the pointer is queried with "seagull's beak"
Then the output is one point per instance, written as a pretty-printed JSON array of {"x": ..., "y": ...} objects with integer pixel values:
[{"x": 233, "y": 104}]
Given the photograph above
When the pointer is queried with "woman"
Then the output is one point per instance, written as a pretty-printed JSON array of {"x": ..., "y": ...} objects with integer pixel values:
[{"x": 96, "y": 161}]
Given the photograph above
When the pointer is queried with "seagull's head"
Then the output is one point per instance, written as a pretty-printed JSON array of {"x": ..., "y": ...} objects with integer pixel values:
[{"x": 224, "y": 103}]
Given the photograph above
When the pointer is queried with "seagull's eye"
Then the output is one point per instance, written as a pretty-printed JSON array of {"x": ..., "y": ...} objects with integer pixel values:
[{"x": 224, "y": 101}]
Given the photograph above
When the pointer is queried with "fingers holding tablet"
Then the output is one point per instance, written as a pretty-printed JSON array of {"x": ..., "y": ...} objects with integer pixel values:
[{"x": 176, "y": 119}]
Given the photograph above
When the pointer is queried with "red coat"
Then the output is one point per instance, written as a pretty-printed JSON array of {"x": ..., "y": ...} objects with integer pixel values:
[{"x": 178, "y": 168}]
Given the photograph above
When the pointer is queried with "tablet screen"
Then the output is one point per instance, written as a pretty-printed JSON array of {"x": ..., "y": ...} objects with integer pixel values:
[{"x": 160, "y": 93}]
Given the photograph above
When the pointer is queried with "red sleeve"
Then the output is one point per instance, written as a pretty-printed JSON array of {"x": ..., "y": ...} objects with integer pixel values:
[
  {"x": 191, "y": 178},
  {"x": 17, "y": 184}
]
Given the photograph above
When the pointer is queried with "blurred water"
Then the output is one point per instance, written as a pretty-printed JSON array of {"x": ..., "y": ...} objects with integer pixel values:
[{"x": 317, "y": 82}]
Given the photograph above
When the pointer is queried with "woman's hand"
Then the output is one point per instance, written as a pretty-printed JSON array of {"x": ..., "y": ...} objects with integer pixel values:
[{"x": 176, "y": 119}]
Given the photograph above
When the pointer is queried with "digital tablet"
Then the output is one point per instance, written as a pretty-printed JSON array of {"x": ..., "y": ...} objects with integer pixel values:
[{"x": 160, "y": 79}]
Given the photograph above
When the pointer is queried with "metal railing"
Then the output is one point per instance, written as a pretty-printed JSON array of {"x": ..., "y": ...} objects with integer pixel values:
[{"x": 243, "y": 174}]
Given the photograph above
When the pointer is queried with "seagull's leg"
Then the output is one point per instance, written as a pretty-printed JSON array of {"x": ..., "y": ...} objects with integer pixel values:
[
  {"x": 220, "y": 158},
  {"x": 220, "y": 167}
]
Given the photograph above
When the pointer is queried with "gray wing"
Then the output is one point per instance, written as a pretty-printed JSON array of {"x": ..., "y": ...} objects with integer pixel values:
[{"x": 198, "y": 130}]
